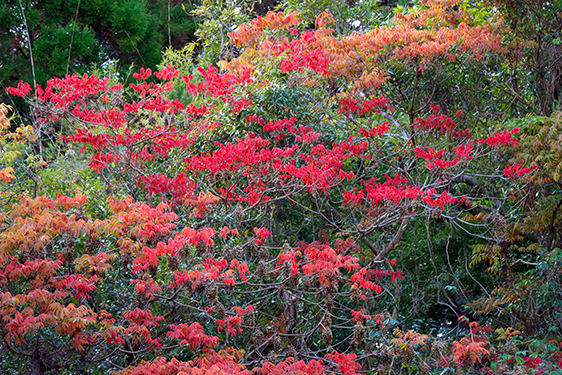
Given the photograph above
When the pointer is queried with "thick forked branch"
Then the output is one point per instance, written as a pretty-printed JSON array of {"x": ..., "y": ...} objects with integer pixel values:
[{"x": 392, "y": 244}]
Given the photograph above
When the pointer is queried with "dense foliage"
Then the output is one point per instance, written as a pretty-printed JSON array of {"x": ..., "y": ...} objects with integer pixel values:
[{"x": 329, "y": 197}]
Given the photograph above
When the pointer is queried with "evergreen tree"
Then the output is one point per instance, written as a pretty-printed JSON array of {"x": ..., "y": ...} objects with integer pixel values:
[{"x": 73, "y": 36}]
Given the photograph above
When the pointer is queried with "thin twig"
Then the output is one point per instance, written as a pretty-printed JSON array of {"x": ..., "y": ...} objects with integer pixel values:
[
  {"x": 30, "y": 49},
  {"x": 72, "y": 37}
]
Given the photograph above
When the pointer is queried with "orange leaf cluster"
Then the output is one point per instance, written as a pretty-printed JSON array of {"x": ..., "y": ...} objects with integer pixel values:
[
  {"x": 472, "y": 345},
  {"x": 419, "y": 38},
  {"x": 249, "y": 35}
]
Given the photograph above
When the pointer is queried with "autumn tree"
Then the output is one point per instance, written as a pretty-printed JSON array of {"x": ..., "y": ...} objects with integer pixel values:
[{"x": 255, "y": 219}]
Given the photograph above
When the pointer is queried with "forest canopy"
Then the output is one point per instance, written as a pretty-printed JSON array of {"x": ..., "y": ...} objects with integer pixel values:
[{"x": 289, "y": 187}]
